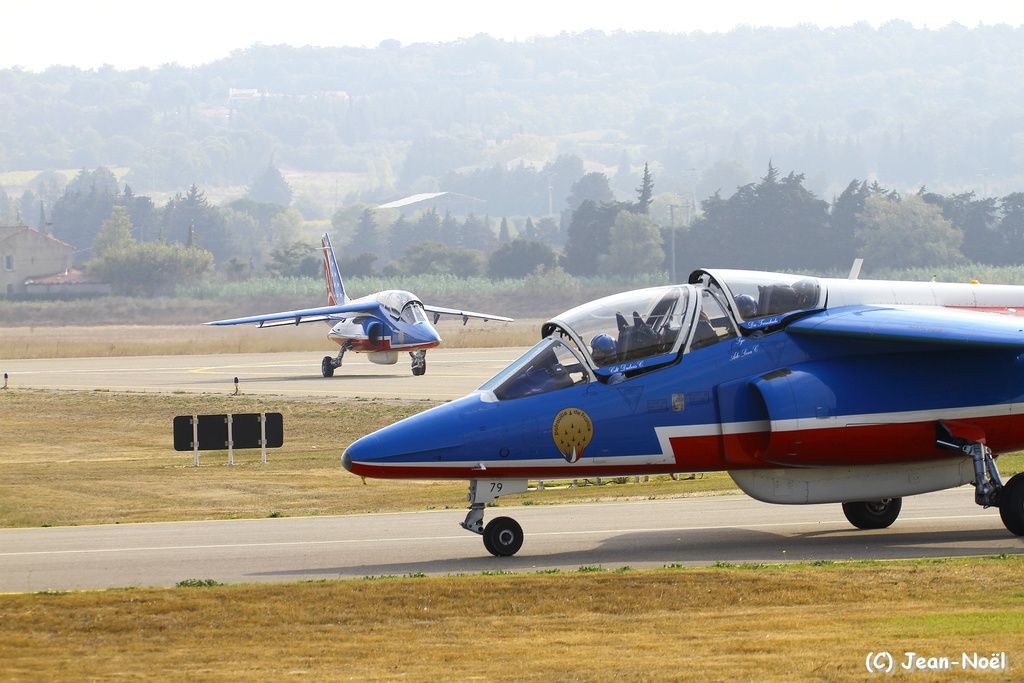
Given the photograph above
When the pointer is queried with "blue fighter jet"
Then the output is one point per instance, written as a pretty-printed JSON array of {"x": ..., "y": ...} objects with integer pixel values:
[
  {"x": 380, "y": 325},
  {"x": 805, "y": 390}
]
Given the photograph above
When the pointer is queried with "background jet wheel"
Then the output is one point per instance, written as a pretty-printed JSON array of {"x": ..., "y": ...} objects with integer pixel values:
[
  {"x": 1011, "y": 504},
  {"x": 503, "y": 536},
  {"x": 873, "y": 514},
  {"x": 327, "y": 366},
  {"x": 419, "y": 369}
]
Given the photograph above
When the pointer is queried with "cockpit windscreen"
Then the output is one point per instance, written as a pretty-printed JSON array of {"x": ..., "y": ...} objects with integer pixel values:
[
  {"x": 548, "y": 366},
  {"x": 629, "y": 327}
]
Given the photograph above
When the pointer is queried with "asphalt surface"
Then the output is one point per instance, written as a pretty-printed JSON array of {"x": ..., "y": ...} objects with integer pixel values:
[
  {"x": 637, "y": 534},
  {"x": 451, "y": 373},
  {"x": 640, "y": 534}
]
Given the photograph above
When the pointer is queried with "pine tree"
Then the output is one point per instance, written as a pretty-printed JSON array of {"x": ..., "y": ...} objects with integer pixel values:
[{"x": 645, "y": 193}]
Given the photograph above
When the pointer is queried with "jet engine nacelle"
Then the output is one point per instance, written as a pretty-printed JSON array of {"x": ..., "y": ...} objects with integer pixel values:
[{"x": 383, "y": 357}]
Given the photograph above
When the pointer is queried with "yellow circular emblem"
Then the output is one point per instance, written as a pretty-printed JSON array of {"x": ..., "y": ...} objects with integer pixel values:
[{"x": 572, "y": 431}]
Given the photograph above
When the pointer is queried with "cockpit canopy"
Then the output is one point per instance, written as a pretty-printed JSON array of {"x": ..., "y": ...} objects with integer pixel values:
[
  {"x": 402, "y": 305},
  {"x": 762, "y": 299},
  {"x": 624, "y": 335}
]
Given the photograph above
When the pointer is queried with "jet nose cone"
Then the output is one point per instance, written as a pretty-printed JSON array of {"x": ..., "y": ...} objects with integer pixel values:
[
  {"x": 429, "y": 439},
  {"x": 361, "y": 451},
  {"x": 431, "y": 335}
]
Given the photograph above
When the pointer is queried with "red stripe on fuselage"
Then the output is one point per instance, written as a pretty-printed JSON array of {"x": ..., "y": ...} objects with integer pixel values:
[{"x": 840, "y": 446}]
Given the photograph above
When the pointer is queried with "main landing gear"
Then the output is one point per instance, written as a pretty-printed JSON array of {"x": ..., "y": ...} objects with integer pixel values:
[
  {"x": 989, "y": 490},
  {"x": 873, "y": 514},
  {"x": 502, "y": 536},
  {"x": 328, "y": 364}
]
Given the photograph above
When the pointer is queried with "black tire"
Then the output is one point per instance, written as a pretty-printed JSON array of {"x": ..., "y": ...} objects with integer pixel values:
[
  {"x": 327, "y": 366},
  {"x": 419, "y": 365},
  {"x": 1011, "y": 504},
  {"x": 873, "y": 514},
  {"x": 503, "y": 536}
]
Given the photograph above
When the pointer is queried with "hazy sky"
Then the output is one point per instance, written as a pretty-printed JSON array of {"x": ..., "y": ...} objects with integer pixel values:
[{"x": 35, "y": 34}]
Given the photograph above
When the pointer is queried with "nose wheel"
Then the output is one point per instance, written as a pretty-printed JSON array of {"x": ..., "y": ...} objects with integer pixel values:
[
  {"x": 503, "y": 537},
  {"x": 419, "y": 362}
]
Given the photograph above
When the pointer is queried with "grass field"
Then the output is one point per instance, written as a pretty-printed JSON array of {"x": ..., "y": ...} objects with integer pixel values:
[
  {"x": 758, "y": 623},
  {"x": 68, "y": 458},
  {"x": 74, "y": 463}
]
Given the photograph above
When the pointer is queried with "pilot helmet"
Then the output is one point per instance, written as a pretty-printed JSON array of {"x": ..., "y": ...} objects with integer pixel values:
[
  {"x": 603, "y": 348},
  {"x": 746, "y": 306}
]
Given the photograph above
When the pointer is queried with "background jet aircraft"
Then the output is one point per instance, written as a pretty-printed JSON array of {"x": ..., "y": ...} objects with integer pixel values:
[
  {"x": 379, "y": 325},
  {"x": 804, "y": 390}
]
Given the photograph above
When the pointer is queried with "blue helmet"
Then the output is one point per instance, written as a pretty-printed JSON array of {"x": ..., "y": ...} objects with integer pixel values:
[
  {"x": 746, "y": 306},
  {"x": 603, "y": 348}
]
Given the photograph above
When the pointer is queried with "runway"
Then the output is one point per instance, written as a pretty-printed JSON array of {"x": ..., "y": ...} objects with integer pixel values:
[
  {"x": 637, "y": 534},
  {"x": 641, "y": 534},
  {"x": 451, "y": 373}
]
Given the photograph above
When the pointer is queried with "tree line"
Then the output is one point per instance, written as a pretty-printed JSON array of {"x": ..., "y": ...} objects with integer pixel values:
[{"x": 775, "y": 223}]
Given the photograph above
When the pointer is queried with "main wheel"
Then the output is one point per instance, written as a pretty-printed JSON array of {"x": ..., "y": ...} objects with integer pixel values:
[
  {"x": 503, "y": 536},
  {"x": 327, "y": 366},
  {"x": 873, "y": 514},
  {"x": 1011, "y": 504}
]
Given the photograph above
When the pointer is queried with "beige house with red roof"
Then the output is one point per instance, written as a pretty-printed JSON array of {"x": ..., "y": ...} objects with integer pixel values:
[{"x": 27, "y": 254}]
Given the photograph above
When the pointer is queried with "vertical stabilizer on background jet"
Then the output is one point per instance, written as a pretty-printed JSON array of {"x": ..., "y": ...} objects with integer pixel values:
[{"x": 335, "y": 286}]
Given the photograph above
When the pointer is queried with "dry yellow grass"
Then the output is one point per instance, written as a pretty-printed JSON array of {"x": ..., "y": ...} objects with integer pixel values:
[
  {"x": 68, "y": 459},
  {"x": 795, "y": 623}
]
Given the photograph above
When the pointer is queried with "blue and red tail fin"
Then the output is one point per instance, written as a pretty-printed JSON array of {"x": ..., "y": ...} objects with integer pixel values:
[{"x": 335, "y": 287}]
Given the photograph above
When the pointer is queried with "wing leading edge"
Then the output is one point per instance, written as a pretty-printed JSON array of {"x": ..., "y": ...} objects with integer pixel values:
[
  {"x": 936, "y": 326},
  {"x": 438, "y": 310},
  {"x": 303, "y": 315}
]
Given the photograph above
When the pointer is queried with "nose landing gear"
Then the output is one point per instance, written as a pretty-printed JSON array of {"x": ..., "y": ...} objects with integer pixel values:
[{"x": 502, "y": 536}]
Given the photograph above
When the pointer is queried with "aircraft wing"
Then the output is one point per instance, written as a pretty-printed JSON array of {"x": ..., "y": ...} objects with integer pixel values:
[
  {"x": 303, "y": 315},
  {"x": 920, "y": 325},
  {"x": 438, "y": 310}
]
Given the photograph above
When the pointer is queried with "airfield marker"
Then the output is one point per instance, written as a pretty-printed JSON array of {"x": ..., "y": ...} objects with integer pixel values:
[
  {"x": 236, "y": 387},
  {"x": 5, "y": 380}
]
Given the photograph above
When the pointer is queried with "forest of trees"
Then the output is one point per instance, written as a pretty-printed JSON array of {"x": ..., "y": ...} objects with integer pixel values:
[
  {"x": 592, "y": 152},
  {"x": 773, "y": 224}
]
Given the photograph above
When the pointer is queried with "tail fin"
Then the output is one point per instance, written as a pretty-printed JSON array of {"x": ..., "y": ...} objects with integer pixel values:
[{"x": 335, "y": 287}]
